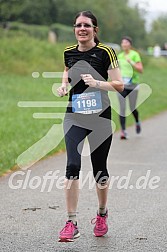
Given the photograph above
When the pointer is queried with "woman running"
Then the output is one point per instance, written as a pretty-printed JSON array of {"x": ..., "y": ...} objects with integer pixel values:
[
  {"x": 87, "y": 67},
  {"x": 131, "y": 65}
]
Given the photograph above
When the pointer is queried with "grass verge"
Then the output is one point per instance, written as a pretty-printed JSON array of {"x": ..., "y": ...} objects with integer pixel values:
[{"x": 19, "y": 130}]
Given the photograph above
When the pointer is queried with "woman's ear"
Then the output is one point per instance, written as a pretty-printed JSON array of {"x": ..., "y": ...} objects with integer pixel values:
[{"x": 96, "y": 29}]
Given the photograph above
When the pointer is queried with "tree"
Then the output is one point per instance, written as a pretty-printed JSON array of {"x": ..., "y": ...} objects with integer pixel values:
[
  {"x": 29, "y": 11},
  {"x": 115, "y": 18},
  {"x": 158, "y": 33},
  {"x": 10, "y": 9}
]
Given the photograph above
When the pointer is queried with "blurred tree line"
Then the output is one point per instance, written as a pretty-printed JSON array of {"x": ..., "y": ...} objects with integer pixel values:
[
  {"x": 115, "y": 18},
  {"x": 158, "y": 34}
]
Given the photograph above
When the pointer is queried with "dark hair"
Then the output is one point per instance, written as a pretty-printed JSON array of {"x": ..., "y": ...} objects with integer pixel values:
[
  {"x": 128, "y": 38},
  {"x": 90, "y": 15}
]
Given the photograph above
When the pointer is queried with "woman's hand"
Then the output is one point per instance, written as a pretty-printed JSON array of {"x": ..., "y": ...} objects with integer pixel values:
[
  {"x": 89, "y": 80},
  {"x": 62, "y": 91}
]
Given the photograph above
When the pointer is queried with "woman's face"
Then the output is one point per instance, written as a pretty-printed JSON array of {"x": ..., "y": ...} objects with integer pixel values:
[
  {"x": 84, "y": 29},
  {"x": 125, "y": 44}
]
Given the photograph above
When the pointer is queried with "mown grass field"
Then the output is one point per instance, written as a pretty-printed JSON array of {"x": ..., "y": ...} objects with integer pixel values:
[{"x": 20, "y": 56}]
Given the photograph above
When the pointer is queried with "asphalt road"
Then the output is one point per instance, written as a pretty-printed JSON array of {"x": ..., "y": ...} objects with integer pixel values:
[{"x": 32, "y": 211}]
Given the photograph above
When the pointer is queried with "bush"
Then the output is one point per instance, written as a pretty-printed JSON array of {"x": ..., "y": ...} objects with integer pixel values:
[
  {"x": 63, "y": 32},
  {"x": 36, "y": 31}
]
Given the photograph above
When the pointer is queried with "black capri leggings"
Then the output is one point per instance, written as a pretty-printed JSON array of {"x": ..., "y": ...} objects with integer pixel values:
[
  {"x": 132, "y": 96},
  {"x": 99, "y": 133}
]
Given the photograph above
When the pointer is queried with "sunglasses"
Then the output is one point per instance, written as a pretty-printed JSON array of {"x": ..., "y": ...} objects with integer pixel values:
[{"x": 85, "y": 25}]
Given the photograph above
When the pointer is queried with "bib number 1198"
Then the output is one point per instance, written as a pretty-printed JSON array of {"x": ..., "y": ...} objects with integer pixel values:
[{"x": 87, "y": 103}]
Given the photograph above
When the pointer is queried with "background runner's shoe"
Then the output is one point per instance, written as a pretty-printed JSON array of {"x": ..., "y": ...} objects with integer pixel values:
[
  {"x": 124, "y": 134},
  {"x": 101, "y": 227},
  {"x": 69, "y": 232},
  {"x": 138, "y": 127}
]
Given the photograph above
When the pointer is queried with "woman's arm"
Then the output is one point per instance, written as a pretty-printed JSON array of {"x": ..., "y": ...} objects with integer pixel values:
[
  {"x": 138, "y": 66},
  {"x": 116, "y": 83},
  {"x": 63, "y": 89}
]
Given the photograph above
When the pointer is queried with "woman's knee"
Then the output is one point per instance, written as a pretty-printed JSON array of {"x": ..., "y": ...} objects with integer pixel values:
[
  {"x": 101, "y": 177},
  {"x": 72, "y": 171}
]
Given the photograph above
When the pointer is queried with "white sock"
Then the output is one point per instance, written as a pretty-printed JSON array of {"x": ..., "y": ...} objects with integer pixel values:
[
  {"x": 72, "y": 216},
  {"x": 102, "y": 210}
]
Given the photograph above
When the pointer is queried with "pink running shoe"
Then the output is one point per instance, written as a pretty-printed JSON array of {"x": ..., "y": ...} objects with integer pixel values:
[
  {"x": 69, "y": 232},
  {"x": 101, "y": 227}
]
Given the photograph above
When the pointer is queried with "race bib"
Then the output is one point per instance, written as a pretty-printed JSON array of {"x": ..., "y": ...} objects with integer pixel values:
[
  {"x": 127, "y": 80},
  {"x": 87, "y": 103}
]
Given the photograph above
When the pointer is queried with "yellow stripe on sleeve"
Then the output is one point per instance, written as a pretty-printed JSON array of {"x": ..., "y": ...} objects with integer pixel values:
[
  {"x": 69, "y": 48},
  {"x": 112, "y": 56}
]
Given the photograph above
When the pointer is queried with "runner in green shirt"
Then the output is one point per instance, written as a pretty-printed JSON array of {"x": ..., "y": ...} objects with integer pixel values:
[{"x": 130, "y": 65}]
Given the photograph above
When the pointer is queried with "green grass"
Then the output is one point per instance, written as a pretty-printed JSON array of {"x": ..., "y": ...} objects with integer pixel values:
[
  {"x": 22, "y": 55},
  {"x": 19, "y": 130},
  {"x": 19, "y": 58}
]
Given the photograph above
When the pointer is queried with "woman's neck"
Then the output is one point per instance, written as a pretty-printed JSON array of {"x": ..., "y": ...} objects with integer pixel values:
[
  {"x": 127, "y": 51},
  {"x": 86, "y": 46}
]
